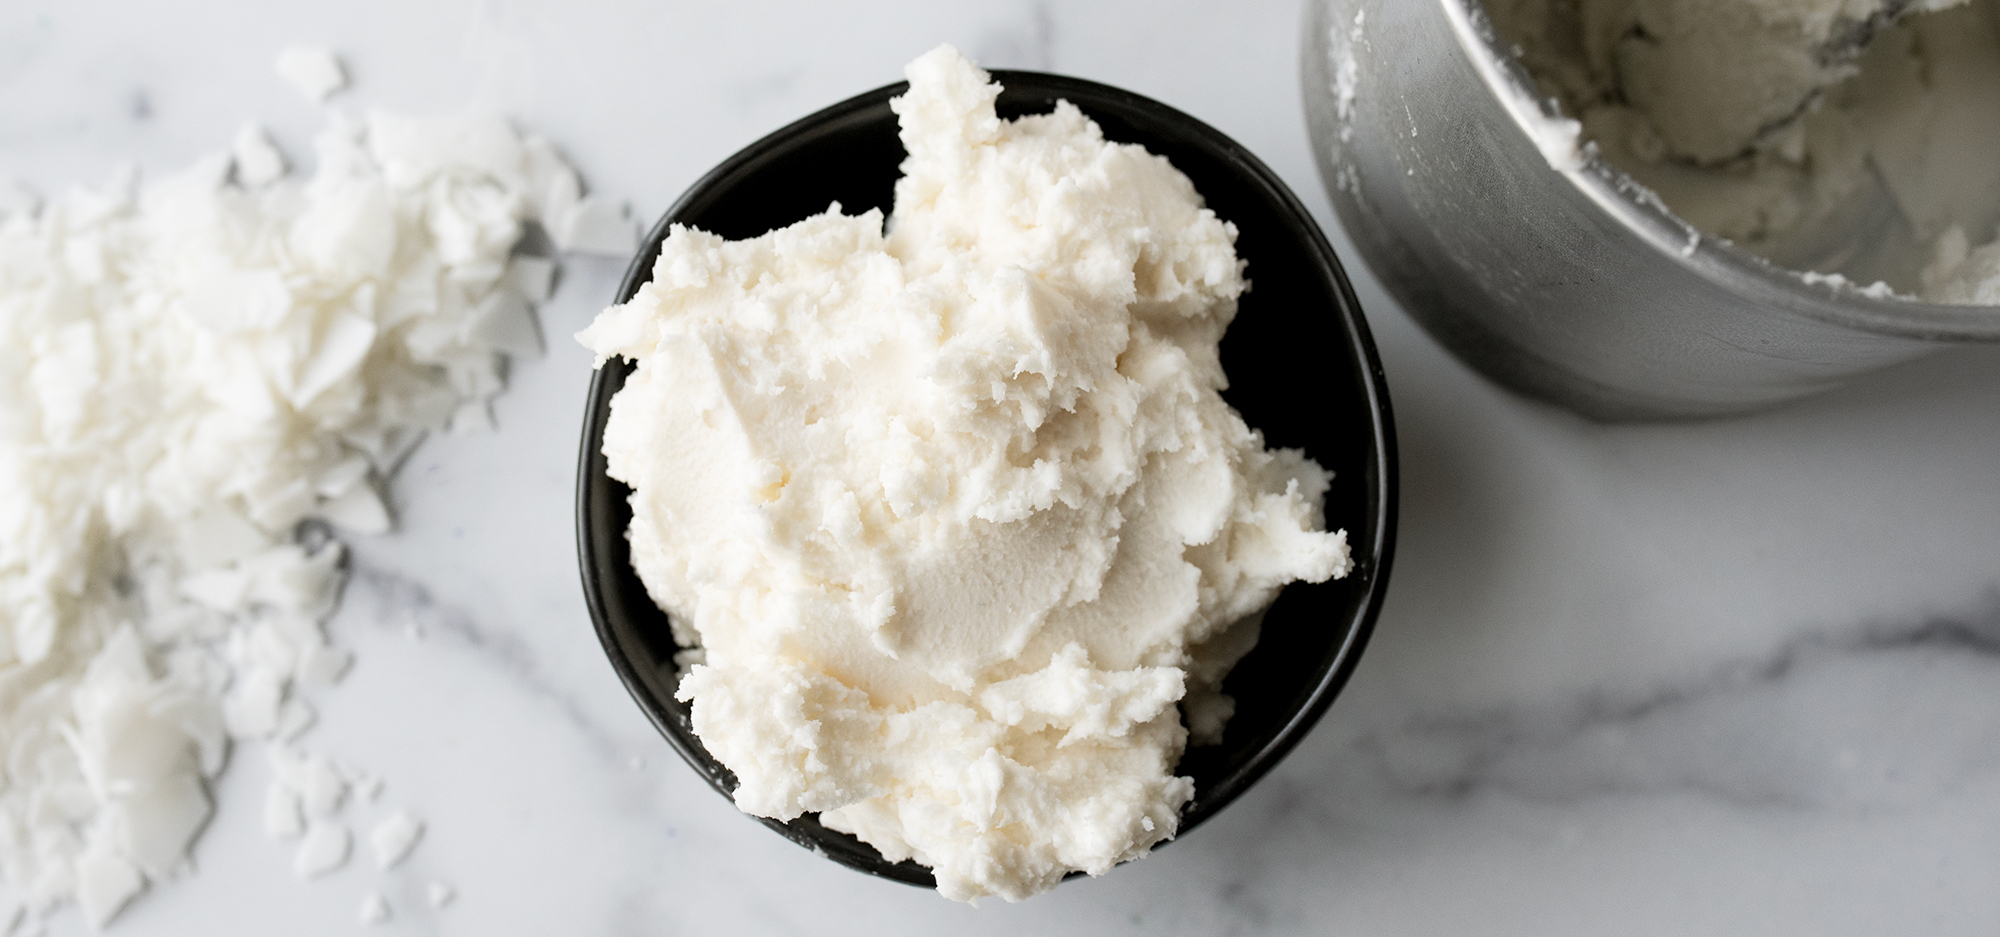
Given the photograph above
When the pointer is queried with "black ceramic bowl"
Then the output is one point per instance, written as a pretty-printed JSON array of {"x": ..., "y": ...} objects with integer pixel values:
[{"x": 1300, "y": 360}]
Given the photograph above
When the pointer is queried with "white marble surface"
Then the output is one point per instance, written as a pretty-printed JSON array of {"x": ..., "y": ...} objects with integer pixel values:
[{"x": 1739, "y": 677}]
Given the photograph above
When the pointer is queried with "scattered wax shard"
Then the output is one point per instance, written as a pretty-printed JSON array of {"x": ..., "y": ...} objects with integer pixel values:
[
  {"x": 393, "y": 838},
  {"x": 282, "y": 819},
  {"x": 323, "y": 849},
  {"x": 596, "y": 226},
  {"x": 507, "y": 323},
  {"x": 258, "y": 162},
  {"x": 252, "y": 709},
  {"x": 441, "y": 894},
  {"x": 532, "y": 277},
  {"x": 295, "y": 716},
  {"x": 374, "y": 909},
  {"x": 358, "y": 510},
  {"x": 322, "y": 790}
]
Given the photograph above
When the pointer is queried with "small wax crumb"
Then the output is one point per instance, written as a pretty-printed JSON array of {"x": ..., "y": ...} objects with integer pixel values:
[
  {"x": 258, "y": 162},
  {"x": 294, "y": 718},
  {"x": 441, "y": 894},
  {"x": 105, "y": 882},
  {"x": 315, "y": 72},
  {"x": 532, "y": 277},
  {"x": 252, "y": 711},
  {"x": 472, "y": 416},
  {"x": 324, "y": 665},
  {"x": 281, "y": 812},
  {"x": 393, "y": 838},
  {"x": 324, "y": 849},
  {"x": 374, "y": 909},
  {"x": 507, "y": 323},
  {"x": 359, "y": 510},
  {"x": 321, "y": 788},
  {"x": 596, "y": 226}
]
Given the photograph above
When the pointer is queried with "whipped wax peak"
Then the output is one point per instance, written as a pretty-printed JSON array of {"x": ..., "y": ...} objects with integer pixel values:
[{"x": 954, "y": 512}]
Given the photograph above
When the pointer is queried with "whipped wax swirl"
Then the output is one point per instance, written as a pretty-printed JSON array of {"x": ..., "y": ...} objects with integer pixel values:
[{"x": 951, "y": 506}]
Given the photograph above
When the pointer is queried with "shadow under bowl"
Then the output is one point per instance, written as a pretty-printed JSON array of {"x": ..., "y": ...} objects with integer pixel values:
[{"x": 1302, "y": 365}]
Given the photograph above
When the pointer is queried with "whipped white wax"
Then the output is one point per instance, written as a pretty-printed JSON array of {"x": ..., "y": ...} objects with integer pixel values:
[
  {"x": 1851, "y": 137},
  {"x": 950, "y": 511}
]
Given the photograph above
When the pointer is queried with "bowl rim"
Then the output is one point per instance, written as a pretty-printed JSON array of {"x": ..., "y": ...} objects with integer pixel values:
[
  {"x": 1372, "y": 560},
  {"x": 1639, "y": 210}
]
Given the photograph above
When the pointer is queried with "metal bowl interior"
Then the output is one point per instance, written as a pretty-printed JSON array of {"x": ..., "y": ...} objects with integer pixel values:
[
  {"x": 1303, "y": 367},
  {"x": 1633, "y": 206}
]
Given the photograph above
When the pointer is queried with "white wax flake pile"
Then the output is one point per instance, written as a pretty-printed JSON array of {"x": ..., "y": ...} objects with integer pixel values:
[
  {"x": 316, "y": 73},
  {"x": 189, "y": 370},
  {"x": 374, "y": 909},
  {"x": 393, "y": 838}
]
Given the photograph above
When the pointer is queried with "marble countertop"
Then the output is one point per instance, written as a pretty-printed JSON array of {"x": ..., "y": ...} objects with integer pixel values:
[{"x": 1734, "y": 677}]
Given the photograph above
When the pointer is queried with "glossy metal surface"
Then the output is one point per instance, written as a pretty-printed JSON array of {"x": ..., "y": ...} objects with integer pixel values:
[{"x": 1569, "y": 284}]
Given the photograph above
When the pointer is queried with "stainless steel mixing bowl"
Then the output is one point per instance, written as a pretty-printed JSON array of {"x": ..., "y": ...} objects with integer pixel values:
[{"x": 1562, "y": 279}]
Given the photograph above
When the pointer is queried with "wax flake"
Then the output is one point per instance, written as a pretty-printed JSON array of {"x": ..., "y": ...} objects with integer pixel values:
[{"x": 202, "y": 377}]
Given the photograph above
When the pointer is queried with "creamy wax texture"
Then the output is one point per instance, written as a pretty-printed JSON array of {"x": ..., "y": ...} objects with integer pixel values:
[
  {"x": 955, "y": 513},
  {"x": 1851, "y": 137}
]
